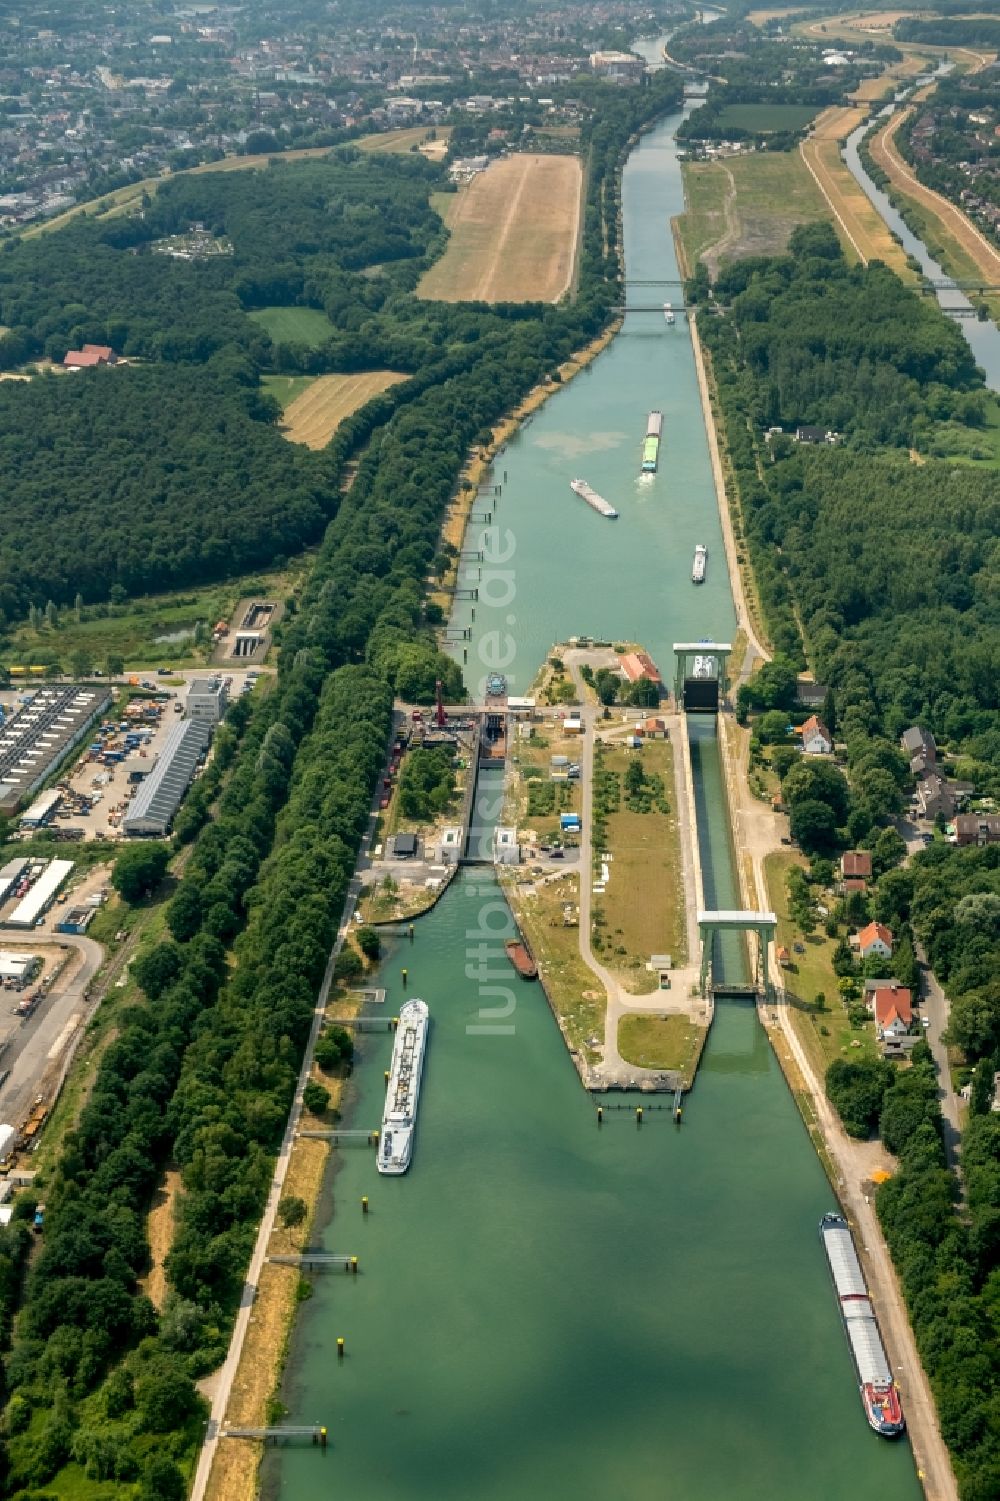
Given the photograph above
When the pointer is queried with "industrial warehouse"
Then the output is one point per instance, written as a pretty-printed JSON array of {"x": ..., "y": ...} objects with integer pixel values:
[
  {"x": 152, "y": 809},
  {"x": 36, "y": 739}
]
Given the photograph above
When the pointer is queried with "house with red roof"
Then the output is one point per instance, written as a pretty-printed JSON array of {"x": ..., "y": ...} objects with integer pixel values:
[
  {"x": 876, "y": 938},
  {"x": 893, "y": 1009},
  {"x": 89, "y": 357},
  {"x": 816, "y": 738},
  {"x": 639, "y": 664}
]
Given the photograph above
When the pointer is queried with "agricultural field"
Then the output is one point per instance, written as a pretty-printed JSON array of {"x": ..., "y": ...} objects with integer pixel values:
[
  {"x": 766, "y": 118},
  {"x": 313, "y": 416},
  {"x": 286, "y": 388},
  {"x": 295, "y": 325},
  {"x": 431, "y": 140},
  {"x": 514, "y": 232}
]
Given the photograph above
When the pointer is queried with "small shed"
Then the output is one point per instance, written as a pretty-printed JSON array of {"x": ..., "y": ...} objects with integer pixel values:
[{"x": 404, "y": 846}]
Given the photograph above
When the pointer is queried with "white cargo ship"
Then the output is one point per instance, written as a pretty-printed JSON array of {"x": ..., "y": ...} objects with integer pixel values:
[
  {"x": 600, "y": 505},
  {"x": 879, "y": 1394},
  {"x": 700, "y": 564},
  {"x": 403, "y": 1090}
]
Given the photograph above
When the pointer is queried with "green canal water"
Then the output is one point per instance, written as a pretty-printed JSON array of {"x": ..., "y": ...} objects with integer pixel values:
[{"x": 547, "y": 1308}]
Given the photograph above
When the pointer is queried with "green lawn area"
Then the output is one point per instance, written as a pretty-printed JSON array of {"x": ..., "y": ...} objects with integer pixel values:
[
  {"x": 642, "y": 910},
  {"x": 767, "y": 117},
  {"x": 286, "y": 388},
  {"x": 295, "y": 325},
  {"x": 774, "y": 192},
  {"x": 134, "y": 629},
  {"x": 577, "y": 995},
  {"x": 825, "y": 1033},
  {"x": 672, "y": 1042}
]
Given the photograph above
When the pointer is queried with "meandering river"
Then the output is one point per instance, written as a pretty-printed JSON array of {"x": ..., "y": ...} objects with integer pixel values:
[{"x": 547, "y": 1308}]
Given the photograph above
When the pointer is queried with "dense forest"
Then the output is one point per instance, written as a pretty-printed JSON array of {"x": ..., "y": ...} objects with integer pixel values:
[
  {"x": 202, "y": 1069},
  {"x": 881, "y": 573},
  {"x": 955, "y": 31},
  {"x": 141, "y": 479}
]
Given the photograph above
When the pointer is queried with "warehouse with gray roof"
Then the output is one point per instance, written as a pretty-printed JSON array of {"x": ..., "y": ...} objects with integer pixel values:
[
  {"x": 152, "y": 809},
  {"x": 34, "y": 741}
]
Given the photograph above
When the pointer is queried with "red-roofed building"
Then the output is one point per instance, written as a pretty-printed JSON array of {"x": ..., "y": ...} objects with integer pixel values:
[
  {"x": 652, "y": 729},
  {"x": 893, "y": 1008},
  {"x": 856, "y": 863},
  {"x": 638, "y": 664},
  {"x": 875, "y": 939},
  {"x": 89, "y": 356},
  {"x": 816, "y": 738}
]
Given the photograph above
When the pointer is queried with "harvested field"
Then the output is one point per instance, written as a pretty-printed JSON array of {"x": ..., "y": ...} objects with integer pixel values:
[
  {"x": 314, "y": 417},
  {"x": 513, "y": 233},
  {"x": 403, "y": 140},
  {"x": 861, "y": 226},
  {"x": 952, "y": 223}
]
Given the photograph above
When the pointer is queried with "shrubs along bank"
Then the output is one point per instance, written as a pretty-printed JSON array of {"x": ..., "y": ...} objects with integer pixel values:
[{"x": 202, "y": 1072}]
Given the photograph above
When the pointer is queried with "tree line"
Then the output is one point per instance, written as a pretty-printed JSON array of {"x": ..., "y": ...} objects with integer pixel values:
[{"x": 202, "y": 1070}]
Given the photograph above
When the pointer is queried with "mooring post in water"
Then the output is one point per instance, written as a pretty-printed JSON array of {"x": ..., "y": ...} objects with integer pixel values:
[
  {"x": 340, "y": 1347},
  {"x": 638, "y": 1115},
  {"x": 364, "y": 1204},
  {"x": 411, "y": 932},
  {"x": 405, "y": 974},
  {"x": 600, "y": 1115}
]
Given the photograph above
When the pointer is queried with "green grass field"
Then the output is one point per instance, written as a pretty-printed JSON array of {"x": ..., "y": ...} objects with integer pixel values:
[
  {"x": 672, "y": 1042},
  {"x": 766, "y": 118},
  {"x": 285, "y": 388},
  {"x": 294, "y": 325},
  {"x": 774, "y": 193}
]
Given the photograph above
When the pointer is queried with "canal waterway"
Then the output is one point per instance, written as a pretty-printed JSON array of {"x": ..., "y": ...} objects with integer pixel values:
[
  {"x": 545, "y": 1307},
  {"x": 983, "y": 338}
]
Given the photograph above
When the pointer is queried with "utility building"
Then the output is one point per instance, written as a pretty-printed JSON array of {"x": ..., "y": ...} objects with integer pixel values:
[
  {"x": 206, "y": 700},
  {"x": 152, "y": 809}
]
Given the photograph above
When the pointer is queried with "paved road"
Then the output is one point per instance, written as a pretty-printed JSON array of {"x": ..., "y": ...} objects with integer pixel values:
[
  {"x": 934, "y": 1004},
  {"x": 28, "y": 1055}
]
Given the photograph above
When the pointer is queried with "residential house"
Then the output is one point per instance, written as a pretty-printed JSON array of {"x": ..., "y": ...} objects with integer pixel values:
[
  {"x": 89, "y": 356},
  {"x": 856, "y": 869},
  {"x": 816, "y": 738},
  {"x": 977, "y": 828},
  {"x": 809, "y": 434},
  {"x": 936, "y": 795},
  {"x": 893, "y": 1009},
  {"x": 875, "y": 939},
  {"x": 920, "y": 749}
]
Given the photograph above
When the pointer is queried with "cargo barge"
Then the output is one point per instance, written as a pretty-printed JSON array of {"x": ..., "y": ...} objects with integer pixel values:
[
  {"x": 522, "y": 959},
  {"x": 700, "y": 564},
  {"x": 651, "y": 442},
  {"x": 879, "y": 1395},
  {"x": 668, "y": 315},
  {"x": 403, "y": 1089},
  {"x": 596, "y": 502}
]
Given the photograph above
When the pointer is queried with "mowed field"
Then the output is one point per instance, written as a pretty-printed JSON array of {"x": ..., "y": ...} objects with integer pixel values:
[
  {"x": 295, "y": 325},
  {"x": 513, "y": 233},
  {"x": 314, "y": 416}
]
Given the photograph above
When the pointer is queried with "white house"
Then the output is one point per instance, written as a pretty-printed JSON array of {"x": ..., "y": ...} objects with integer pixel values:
[
  {"x": 816, "y": 738},
  {"x": 875, "y": 939}
]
